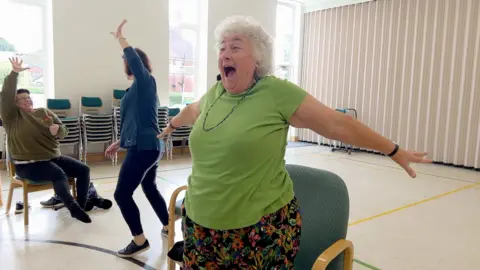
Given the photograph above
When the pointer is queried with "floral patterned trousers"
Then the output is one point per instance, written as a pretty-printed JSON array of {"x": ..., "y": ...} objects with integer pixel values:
[{"x": 272, "y": 243}]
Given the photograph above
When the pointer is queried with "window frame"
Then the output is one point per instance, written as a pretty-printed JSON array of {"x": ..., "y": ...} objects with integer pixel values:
[
  {"x": 46, "y": 53},
  {"x": 196, "y": 29},
  {"x": 292, "y": 63}
]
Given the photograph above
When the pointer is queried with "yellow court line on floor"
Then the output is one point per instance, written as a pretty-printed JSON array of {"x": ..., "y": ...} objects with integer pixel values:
[{"x": 412, "y": 204}]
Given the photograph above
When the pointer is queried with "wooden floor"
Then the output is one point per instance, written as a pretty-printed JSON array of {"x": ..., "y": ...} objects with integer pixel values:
[{"x": 427, "y": 223}]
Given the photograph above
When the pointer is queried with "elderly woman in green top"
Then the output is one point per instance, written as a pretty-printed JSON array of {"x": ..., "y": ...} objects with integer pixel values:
[{"x": 240, "y": 208}]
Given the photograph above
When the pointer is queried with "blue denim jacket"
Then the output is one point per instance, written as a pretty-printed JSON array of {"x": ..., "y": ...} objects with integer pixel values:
[{"x": 139, "y": 108}]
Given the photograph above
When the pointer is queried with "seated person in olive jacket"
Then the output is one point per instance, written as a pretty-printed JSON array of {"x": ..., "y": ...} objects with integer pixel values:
[{"x": 32, "y": 138}]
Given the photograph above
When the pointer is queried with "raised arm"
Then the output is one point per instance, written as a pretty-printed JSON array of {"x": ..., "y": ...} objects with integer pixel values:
[
  {"x": 188, "y": 116},
  {"x": 131, "y": 56},
  {"x": 312, "y": 114},
  {"x": 9, "y": 91}
]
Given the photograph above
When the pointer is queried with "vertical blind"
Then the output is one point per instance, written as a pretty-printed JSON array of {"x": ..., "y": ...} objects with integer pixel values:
[{"x": 409, "y": 67}]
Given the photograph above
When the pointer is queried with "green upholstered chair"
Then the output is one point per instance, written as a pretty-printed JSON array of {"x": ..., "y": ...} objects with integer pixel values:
[
  {"x": 117, "y": 97},
  {"x": 324, "y": 203},
  {"x": 91, "y": 105},
  {"x": 61, "y": 107}
]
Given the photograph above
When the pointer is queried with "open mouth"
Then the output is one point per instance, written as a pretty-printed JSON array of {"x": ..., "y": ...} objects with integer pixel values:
[{"x": 229, "y": 71}]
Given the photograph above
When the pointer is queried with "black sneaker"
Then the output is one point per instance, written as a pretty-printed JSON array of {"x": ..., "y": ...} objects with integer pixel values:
[
  {"x": 164, "y": 232},
  {"x": 77, "y": 212},
  {"x": 102, "y": 203},
  {"x": 96, "y": 200},
  {"x": 53, "y": 202},
  {"x": 19, "y": 207},
  {"x": 132, "y": 249},
  {"x": 176, "y": 252}
]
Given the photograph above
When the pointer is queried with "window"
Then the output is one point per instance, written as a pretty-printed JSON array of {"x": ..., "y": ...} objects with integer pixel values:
[
  {"x": 184, "y": 20},
  {"x": 23, "y": 25},
  {"x": 286, "y": 33}
]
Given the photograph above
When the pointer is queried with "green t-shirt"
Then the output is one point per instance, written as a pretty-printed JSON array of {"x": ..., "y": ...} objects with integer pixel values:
[{"x": 238, "y": 172}]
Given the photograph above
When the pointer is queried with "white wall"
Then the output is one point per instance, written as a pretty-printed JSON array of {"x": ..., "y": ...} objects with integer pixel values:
[
  {"x": 264, "y": 11},
  {"x": 87, "y": 59}
]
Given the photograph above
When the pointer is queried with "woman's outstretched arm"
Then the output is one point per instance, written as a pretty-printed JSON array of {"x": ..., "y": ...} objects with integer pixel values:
[{"x": 131, "y": 56}]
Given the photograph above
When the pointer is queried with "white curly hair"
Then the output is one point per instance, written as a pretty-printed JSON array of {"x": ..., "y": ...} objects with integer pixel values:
[{"x": 262, "y": 42}]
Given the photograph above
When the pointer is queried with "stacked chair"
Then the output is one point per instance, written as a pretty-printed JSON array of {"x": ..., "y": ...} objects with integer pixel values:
[
  {"x": 117, "y": 97},
  {"x": 116, "y": 129},
  {"x": 96, "y": 128},
  {"x": 181, "y": 134},
  {"x": 62, "y": 107},
  {"x": 163, "y": 121}
]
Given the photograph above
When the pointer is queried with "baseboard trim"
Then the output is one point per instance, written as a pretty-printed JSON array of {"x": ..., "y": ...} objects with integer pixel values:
[
  {"x": 100, "y": 157},
  {"x": 294, "y": 138}
]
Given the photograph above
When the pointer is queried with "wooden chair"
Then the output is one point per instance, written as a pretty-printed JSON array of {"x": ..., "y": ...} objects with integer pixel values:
[
  {"x": 174, "y": 214},
  {"x": 29, "y": 187},
  {"x": 323, "y": 197}
]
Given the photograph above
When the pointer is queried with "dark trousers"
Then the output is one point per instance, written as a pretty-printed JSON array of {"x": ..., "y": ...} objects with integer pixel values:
[
  {"x": 57, "y": 171},
  {"x": 139, "y": 167}
]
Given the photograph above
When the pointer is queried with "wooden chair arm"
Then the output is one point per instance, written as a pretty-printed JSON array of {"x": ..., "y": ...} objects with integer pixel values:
[
  {"x": 332, "y": 252},
  {"x": 171, "y": 223},
  {"x": 173, "y": 199}
]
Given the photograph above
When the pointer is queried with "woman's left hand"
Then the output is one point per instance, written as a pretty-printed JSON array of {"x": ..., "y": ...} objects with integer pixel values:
[
  {"x": 54, "y": 129},
  {"x": 404, "y": 158},
  {"x": 119, "y": 34}
]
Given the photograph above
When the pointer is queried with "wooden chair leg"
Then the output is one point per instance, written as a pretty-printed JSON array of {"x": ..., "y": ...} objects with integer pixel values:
[
  {"x": 9, "y": 198},
  {"x": 171, "y": 224},
  {"x": 74, "y": 189},
  {"x": 348, "y": 258},
  {"x": 25, "y": 204},
  {"x": 171, "y": 237}
]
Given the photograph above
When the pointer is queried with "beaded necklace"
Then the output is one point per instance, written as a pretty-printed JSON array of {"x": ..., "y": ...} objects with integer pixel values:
[{"x": 231, "y": 111}]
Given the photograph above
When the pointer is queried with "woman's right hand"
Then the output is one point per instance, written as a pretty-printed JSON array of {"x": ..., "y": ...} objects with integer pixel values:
[
  {"x": 119, "y": 33},
  {"x": 167, "y": 131},
  {"x": 112, "y": 149}
]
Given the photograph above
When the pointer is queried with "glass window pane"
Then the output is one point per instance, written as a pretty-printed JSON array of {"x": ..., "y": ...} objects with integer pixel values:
[
  {"x": 183, "y": 43},
  {"x": 183, "y": 16},
  {"x": 24, "y": 40},
  {"x": 284, "y": 33},
  {"x": 282, "y": 72},
  {"x": 183, "y": 12},
  {"x": 181, "y": 88}
]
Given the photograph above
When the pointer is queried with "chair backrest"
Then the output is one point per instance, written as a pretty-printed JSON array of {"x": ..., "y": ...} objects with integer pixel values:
[
  {"x": 60, "y": 107},
  {"x": 91, "y": 105},
  {"x": 117, "y": 97},
  {"x": 324, "y": 203},
  {"x": 172, "y": 112}
]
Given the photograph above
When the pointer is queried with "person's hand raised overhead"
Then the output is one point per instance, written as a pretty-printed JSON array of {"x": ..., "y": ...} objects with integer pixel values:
[
  {"x": 119, "y": 33},
  {"x": 17, "y": 65}
]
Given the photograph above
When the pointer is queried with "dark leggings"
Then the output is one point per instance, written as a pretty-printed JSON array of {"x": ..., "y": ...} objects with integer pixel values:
[
  {"x": 57, "y": 171},
  {"x": 139, "y": 167}
]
